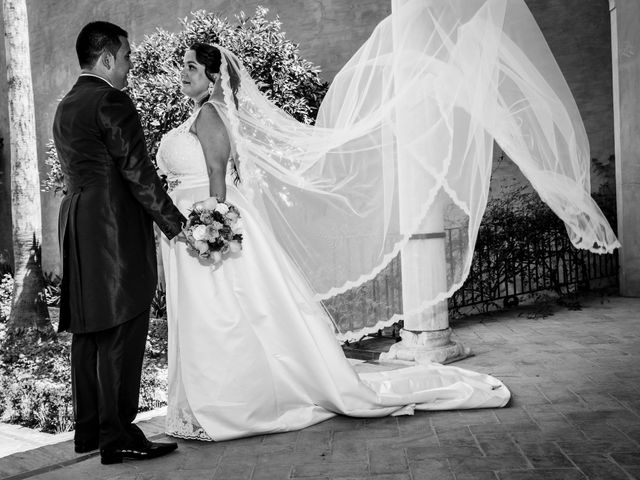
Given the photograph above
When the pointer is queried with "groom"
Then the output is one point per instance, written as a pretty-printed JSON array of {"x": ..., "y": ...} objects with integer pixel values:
[{"x": 107, "y": 246}]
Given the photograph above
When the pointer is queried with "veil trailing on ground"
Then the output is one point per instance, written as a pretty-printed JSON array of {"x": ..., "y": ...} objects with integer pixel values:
[{"x": 403, "y": 146}]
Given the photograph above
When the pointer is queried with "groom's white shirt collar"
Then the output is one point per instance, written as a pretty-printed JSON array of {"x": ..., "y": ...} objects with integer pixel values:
[{"x": 97, "y": 76}]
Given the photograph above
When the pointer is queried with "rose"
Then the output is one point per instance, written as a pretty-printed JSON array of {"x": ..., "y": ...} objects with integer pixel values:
[
  {"x": 225, "y": 232},
  {"x": 232, "y": 216},
  {"x": 235, "y": 246},
  {"x": 202, "y": 247},
  {"x": 198, "y": 207},
  {"x": 221, "y": 208},
  {"x": 236, "y": 226},
  {"x": 211, "y": 233},
  {"x": 210, "y": 203},
  {"x": 216, "y": 257},
  {"x": 217, "y": 225},
  {"x": 206, "y": 218},
  {"x": 199, "y": 232},
  {"x": 194, "y": 217}
]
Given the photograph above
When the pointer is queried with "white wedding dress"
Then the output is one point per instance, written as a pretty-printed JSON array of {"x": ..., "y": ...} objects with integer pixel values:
[{"x": 251, "y": 351}]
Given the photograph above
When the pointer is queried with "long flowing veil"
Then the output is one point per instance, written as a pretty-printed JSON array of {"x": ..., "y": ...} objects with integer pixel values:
[{"x": 403, "y": 145}]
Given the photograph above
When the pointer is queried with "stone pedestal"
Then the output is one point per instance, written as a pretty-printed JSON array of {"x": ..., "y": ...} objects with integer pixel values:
[{"x": 426, "y": 347}]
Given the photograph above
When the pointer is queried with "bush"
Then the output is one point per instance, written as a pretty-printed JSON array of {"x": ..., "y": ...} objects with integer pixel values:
[
  {"x": 35, "y": 385},
  {"x": 522, "y": 242},
  {"x": 157, "y": 341},
  {"x": 55, "y": 180},
  {"x": 274, "y": 62},
  {"x": 35, "y": 389},
  {"x": 35, "y": 374},
  {"x": 6, "y": 293},
  {"x": 52, "y": 294},
  {"x": 153, "y": 385},
  {"x": 52, "y": 289},
  {"x": 159, "y": 303}
]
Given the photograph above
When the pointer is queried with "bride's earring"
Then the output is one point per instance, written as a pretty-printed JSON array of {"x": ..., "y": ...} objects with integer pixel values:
[{"x": 210, "y": 88}]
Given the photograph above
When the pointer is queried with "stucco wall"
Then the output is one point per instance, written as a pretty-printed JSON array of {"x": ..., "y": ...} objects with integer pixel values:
[
  {"x": 579, "y": 35},
  {"x": 328, "y": 31},
  {"x": 626, "y": 18}
]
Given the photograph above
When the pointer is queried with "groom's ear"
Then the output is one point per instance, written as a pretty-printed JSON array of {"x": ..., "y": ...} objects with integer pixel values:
[{"x": 106, "y": 59}]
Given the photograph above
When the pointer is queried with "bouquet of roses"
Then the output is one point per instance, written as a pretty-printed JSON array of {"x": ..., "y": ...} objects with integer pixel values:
[{"x": 214, "y": 229}]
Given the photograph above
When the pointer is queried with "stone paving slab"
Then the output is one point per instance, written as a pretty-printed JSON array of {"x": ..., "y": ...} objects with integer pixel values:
[
  {"x": 575, "y": 414},
  {"x": 14, "y": 438}
]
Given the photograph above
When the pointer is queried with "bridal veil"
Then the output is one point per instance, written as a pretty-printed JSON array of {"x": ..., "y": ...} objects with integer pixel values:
[{"x": 404, "y": 141}]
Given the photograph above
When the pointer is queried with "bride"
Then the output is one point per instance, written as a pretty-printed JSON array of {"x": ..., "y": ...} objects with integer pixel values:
[{"x": 324, "y": 209}]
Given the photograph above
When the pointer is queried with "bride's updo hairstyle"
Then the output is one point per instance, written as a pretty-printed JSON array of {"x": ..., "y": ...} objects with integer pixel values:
[{"x": 211, "y": 58}]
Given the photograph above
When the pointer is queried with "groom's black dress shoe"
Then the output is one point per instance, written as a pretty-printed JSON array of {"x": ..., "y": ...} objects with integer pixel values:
[
  {"x": 146, "y": 451},
  {"x": 85, "y": 447}
]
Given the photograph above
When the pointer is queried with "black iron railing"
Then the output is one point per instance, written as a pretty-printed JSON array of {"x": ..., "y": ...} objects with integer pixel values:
[{"x": 506, "y": 266}]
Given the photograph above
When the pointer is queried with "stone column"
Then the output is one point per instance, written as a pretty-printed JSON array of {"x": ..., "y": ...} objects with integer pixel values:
[
  {"x": 426, "y": 336},
  {"x": 625, "y": 49}
]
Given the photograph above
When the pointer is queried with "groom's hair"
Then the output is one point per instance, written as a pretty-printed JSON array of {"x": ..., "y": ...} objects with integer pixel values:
[{"x": 95, "y": 38}]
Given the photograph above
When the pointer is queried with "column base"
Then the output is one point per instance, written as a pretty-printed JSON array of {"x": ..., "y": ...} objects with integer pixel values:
[{"x": 426, "y": 347}]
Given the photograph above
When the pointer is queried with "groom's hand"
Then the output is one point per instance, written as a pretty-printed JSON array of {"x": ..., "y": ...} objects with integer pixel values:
[{"x": 182, "y": 237}]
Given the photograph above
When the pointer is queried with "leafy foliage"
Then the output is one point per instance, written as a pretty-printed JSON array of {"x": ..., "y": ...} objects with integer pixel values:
[
  {"x": 6, "y": 293},
  {"x": 159, "y": 303},
  {"x": 55, "y": 180},
  {"x": 522, "y": 242},
  {"x": 35, "y": 383},
  {"x": 289, "y": 81},
  {"x": 35, "y": 372},
  {"x": 52, "y": 294},
  {"x": 52, "y": 289},
  {"x": 157, "y": 340},
  {"x": 374, "y": 301},
  {"x": 517, "y": 232}
]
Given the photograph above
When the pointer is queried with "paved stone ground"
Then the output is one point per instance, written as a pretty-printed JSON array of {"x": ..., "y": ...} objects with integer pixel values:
[
  {"x": 14, "y": 438},
  {"x": 575, "y": 414}
]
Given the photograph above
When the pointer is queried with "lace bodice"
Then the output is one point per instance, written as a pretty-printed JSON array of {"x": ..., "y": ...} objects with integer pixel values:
[{"x": 180, "y": 153}]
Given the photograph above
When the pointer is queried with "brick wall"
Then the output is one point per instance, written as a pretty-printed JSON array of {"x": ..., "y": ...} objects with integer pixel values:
[{"x": 328, "y": 31}]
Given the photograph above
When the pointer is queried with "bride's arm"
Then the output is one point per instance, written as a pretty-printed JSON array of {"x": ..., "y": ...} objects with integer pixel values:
[{"x": 213, "y": 137}]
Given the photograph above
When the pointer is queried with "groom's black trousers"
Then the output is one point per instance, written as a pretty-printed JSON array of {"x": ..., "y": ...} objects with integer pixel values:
[{"x": 105, "y": 375}]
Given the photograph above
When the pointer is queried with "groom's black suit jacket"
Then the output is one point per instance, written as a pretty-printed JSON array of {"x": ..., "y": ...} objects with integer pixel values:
[{"x": 113, "y": 195}]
